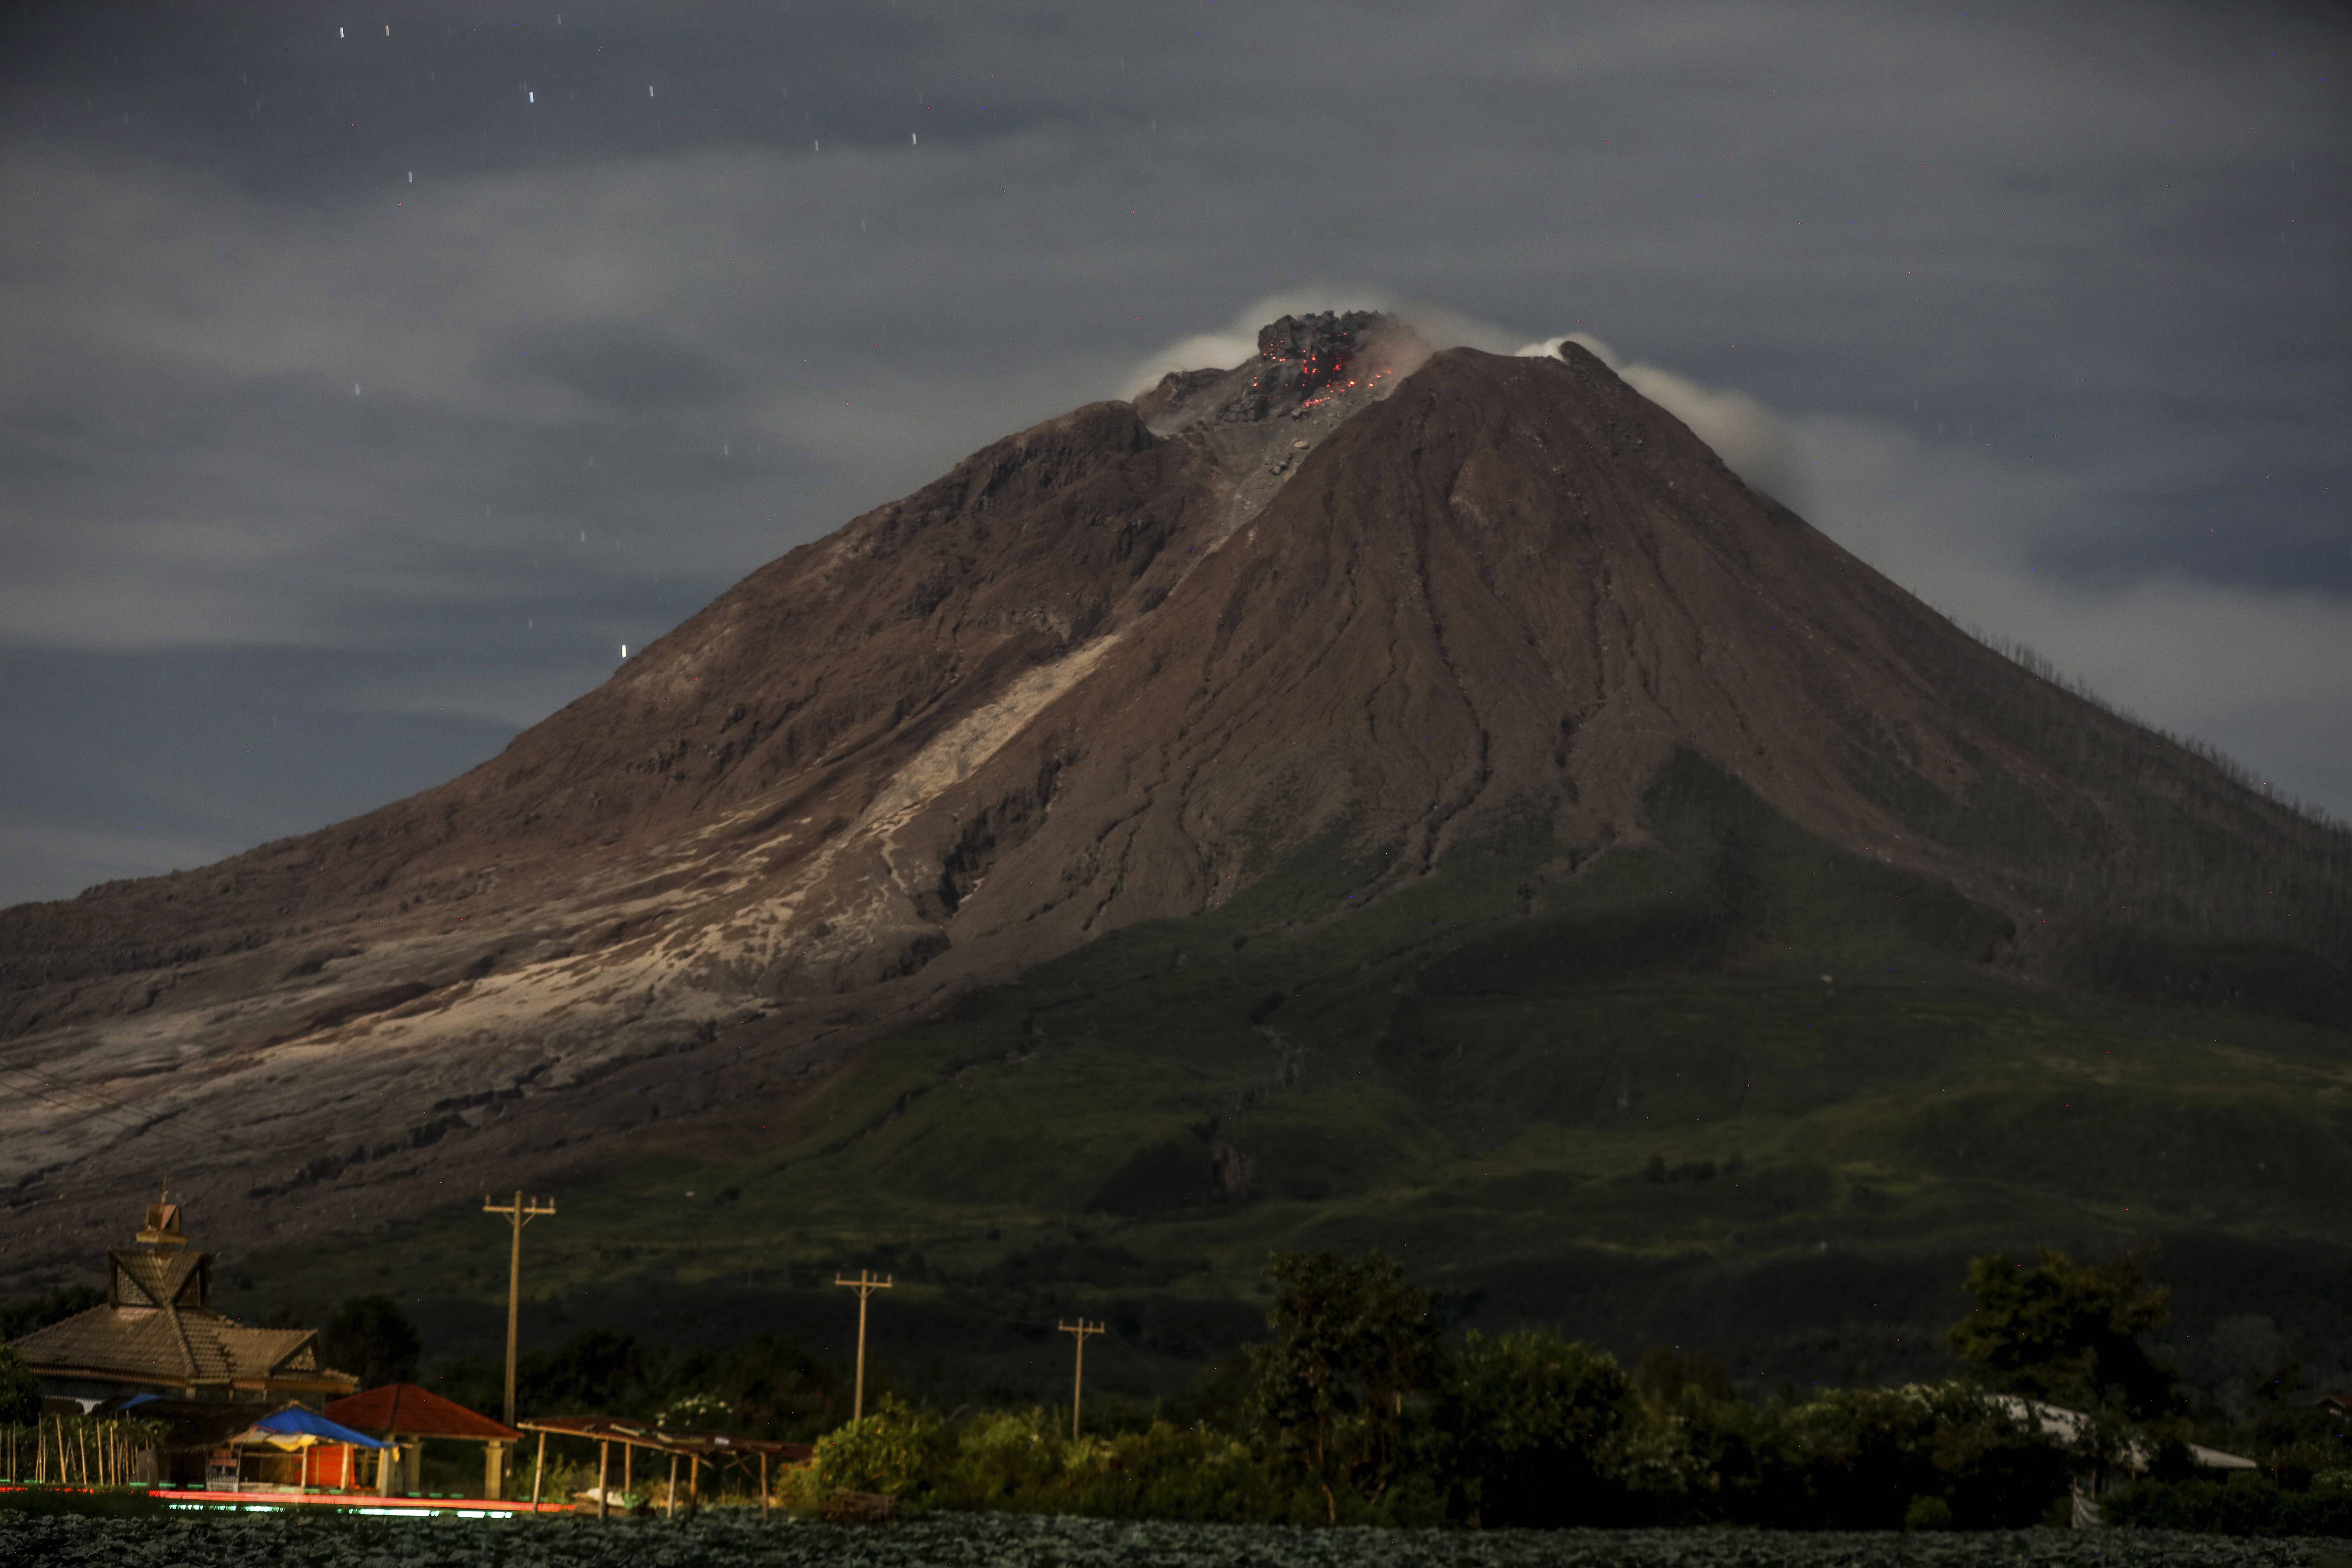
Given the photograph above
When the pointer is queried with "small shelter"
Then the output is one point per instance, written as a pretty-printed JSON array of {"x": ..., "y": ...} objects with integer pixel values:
[
  {"x": 695, "y": 1446},
  {"x": 296, "y": 1448},
  {"x": 2067, "y": 1428},
  {"x": 407, "y": 1416}
]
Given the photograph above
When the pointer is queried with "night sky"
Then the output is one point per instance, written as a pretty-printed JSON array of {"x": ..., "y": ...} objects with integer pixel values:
[{"x": 368, "y": 377}]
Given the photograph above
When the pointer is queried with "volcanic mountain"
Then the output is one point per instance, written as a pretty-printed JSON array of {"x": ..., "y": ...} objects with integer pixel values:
[{"x": 1432, "y": 675}]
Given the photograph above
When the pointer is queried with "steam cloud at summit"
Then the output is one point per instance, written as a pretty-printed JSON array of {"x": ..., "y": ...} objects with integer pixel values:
[{"x": 1753, "y": 441}]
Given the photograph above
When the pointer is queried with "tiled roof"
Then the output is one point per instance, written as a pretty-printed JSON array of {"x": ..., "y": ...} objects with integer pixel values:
[
  {"x": 187, "y": 1347},
  {"x": 145, "y": 1341},
  {"x": 156, "y": 1278},
  {"x": 158, "y": 1327},
  {"x": 414, "y": 1412}
]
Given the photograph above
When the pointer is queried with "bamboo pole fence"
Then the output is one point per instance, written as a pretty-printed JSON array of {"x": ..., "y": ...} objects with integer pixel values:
[{"x": 82, "y": 1451}]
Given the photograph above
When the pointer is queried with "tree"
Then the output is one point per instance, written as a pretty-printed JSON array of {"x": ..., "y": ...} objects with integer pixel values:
[
  {"x": 40, "y": 1311},
  {"x": 596, "y": 1371},
  {"x": 370, "y": 1338},
  {"x": 775, "y": 1387},
  {"x": 2067, "y": 1331},
  {"x": 20, "y": 1391},
  {"x": 1663, "y": 1372},
  {"x": 1528, "y": 1422},
  {"x": 1351, "y": 1340}
]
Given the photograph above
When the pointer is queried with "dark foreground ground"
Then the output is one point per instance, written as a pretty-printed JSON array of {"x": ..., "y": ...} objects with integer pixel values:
[{"x": 1002, "y": 1541}]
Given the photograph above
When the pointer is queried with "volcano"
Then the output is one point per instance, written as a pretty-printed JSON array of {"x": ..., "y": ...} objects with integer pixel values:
[{"x": 1449, "y": 689}]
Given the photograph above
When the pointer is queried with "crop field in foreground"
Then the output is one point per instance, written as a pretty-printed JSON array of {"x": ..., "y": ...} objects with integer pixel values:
[{"x": 1009, "y": 1541}]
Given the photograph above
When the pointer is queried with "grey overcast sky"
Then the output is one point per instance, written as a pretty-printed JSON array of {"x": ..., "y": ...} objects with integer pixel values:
[{"x": 369, "y": 373}]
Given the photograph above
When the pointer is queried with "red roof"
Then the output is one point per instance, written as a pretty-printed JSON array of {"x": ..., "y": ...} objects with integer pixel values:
[{"x": 414, "y": 1412}]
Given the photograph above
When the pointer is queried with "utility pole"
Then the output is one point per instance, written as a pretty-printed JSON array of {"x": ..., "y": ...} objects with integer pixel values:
[
  {"x": 1080, "y": 1329},
  {"x": 864, "y": 1285},
  {"x": 518, "y": 1213}
]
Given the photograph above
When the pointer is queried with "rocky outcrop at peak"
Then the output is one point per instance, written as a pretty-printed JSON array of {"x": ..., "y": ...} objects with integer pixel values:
[
  {"x": 1328, "y": 362},
  {"x": 1301, "y": 358}
]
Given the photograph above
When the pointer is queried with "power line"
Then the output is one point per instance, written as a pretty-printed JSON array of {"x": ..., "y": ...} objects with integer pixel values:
[
  {"x": 174, "y": 1142},
  {"x": 86, "y": 1112},
  {"x": 139, "y": 1122}
]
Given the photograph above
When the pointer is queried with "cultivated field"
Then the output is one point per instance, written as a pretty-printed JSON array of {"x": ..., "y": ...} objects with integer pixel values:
[{"x": 1002, "y": 1541}]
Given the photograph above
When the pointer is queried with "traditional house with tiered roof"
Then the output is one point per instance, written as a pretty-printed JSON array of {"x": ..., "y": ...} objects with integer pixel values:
[{"x": 158, "y": 1335}]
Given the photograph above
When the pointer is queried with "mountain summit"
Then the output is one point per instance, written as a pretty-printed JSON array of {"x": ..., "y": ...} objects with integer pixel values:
[{"x": 1327, "y": 622}]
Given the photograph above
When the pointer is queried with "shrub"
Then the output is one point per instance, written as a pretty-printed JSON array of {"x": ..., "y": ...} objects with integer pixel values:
[
  {"x": 1927, "y": 1513},
  {"x": 1846, "y": 1459},
  {"x": 1528, "y": 1428},
  {"x": 896, "y": 1451},
  {"x": 20, "y": 1391},
  {"x": 1004, "y": 1459},
  {"x": 2246, "y": 1504},
  {"x": 1862, "y": 1456}
]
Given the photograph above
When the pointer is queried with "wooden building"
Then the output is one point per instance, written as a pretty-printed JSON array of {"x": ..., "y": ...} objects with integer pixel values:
[{"x": 158, "y": 1342}]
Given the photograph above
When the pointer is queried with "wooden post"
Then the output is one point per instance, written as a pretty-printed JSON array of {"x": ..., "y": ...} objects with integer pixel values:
[
  {"x": 1081, "y": 1329},
  {"x": 672, "y": 1483},
  {"x": 763, "y": 1483},
  {"x": 537, "y": 1470},
  {"x": 519, "y": 1214},
  {"x": 604, "y": 1468},
  {"x": 693, "y": 1478},
  {"x": 864, "y": 1285}
]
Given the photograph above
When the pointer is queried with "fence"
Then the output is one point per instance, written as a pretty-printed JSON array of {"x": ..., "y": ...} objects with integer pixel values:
[{"x": 82, "y": 1450}]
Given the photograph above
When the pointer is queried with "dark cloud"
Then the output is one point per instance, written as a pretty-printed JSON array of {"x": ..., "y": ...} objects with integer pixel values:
[
  {"x": 2047, "y": 307},
  {"x": 626, "y": 369}
]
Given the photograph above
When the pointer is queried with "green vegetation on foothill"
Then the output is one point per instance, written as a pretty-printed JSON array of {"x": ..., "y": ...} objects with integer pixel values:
[
  {"x": 1359, "y": 1405},
  {"x": 1735, "y": 1090}
]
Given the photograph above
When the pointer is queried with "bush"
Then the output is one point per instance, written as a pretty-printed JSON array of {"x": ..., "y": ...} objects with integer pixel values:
[
  {"x": 1173, "y": 1472},
  {"x": 1019, "y": 1461},
  {"x": 897, "y": 1451},
  {"x": 1002, "y": 1458},
  {"x": 1866, "y": 1454},
  {"x": 1927, "y": 1513},
  {"x": 20, "y": 1391},
  {"x": 2247, "y": 1504},
  {"x": 1527, "y": 1429},
  {"x": 1847, "y": 1459}
]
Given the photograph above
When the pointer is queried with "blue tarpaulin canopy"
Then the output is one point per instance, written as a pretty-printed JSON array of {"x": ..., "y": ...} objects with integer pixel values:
[{"x": 294, "y": 1427}]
